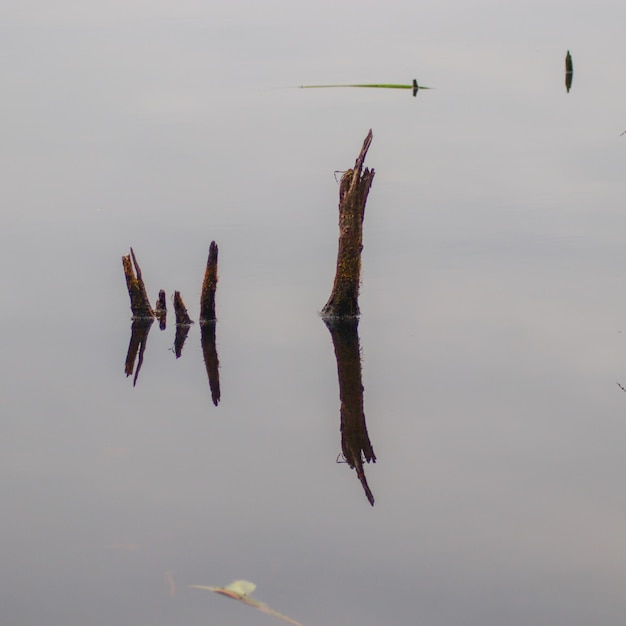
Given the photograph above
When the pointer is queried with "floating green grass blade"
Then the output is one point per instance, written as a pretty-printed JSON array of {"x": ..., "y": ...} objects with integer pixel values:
[
  {"x": 414, "y": 86},
  {"x": 375, "y": 86}
]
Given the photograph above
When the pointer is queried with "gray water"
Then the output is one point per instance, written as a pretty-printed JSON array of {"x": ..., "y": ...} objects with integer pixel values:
[{"x": 492, "y": 331}]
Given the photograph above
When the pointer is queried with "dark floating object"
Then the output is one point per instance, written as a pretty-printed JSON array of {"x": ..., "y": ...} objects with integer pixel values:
[
  {"x": 356, "y": 447},
  {"x": 353, "y": 191},
  {"x": 139, "y": 303},
  {"x": 415, "y": 87},
  {"x": 569, "y": 71}
]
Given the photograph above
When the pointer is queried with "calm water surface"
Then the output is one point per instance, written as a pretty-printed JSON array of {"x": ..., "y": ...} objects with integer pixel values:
[{"x": 492, "y": 333}]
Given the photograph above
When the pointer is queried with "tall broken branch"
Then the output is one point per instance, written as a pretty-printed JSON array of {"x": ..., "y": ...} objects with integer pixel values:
[
  {"x": 209, "y": 286},
  {"x": 139, "y": 303},
  {"x": 353, "y": 192}
]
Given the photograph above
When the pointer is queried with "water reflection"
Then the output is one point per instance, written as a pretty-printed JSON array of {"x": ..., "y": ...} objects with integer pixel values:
[
  {"x": 355, "y": 443},
  {"x": 182, "y": 330},
  {"x": 139, "y": 330},
  {"x": 211, "y": 360}
]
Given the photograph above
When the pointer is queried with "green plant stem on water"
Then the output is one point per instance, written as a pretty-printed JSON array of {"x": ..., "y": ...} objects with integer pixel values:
[
  {"x": 414, "y": 86},
  {"x": 381, "y": 86}
]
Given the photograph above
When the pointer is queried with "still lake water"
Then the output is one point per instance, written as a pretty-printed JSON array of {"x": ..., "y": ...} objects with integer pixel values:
[{"x": 493, "y": 327}]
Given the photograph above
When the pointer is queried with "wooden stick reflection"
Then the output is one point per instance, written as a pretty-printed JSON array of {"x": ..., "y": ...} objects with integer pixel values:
[
  {"x": 211, "y": 360},
  {"x": 139, "y": 331},
  {"x": 355, "y": 443}
]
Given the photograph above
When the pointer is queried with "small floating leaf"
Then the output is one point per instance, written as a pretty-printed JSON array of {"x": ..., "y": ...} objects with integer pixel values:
[
  {"x": 240, "y": 590},
  {"x": 241, "y": 587}
]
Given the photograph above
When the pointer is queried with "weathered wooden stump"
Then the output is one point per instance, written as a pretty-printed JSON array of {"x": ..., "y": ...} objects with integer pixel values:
[
  {"x": 182, "y": 317},
  {"x": 353, "y": 192},
  {"x": 183, "y": 323},
  {"x": 161, "y": 310},
  {"x": 139, "y": 303},
  {"x": 209, "y": 286}
]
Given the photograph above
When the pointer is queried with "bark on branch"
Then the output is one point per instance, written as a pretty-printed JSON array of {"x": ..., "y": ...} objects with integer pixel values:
[
  {"x": 161, "y": 310},
  {"x": 209, "y": 286},
  {"x": 139, "y": 303},
  {"x": 183, "y": 323},
  {"x": 180, "y": 310},
  {"x": 353, "y": 192}
]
